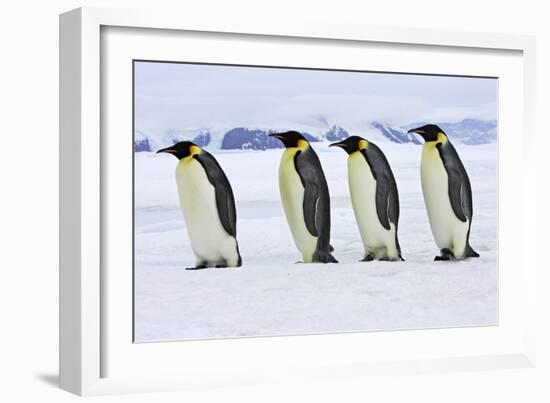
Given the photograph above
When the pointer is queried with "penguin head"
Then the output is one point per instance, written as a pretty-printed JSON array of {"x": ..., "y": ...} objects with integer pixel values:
[
  {"x": 182, "y": 149},
  {"x": 430, "y": 133},
  {"x": 290, "y": 139},
  {"x": 352, "y": 144}
]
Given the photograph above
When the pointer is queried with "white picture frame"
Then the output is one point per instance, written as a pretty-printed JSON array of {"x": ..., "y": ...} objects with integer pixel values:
[{"x": 85, "y": 345}]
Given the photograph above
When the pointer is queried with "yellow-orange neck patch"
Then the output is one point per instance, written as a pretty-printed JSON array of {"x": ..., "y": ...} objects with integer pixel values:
[
  {"x": 441, "y": 139},
  {"x": 363, "y": 144},
  {"x": 194, "y": 150},
  {"x": 302, "y": 145}
]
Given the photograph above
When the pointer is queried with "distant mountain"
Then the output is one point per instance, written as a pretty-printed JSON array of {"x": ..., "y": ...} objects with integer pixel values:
[
  {"x": 471, "y": 131},
  {"x": 336, "y": 133},
  {"x": 141, "y": 142},
  {"x": 242, "y": 138},
  {"x": 396, "y": 134},
  {"x": 467, "y": 131},
  {"x": 145, "y": 142},
  {"x": 202, "y": 139}
]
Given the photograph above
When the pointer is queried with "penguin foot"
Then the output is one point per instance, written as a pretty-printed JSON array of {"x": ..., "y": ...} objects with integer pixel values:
[
  {"x": 391, "y": 259},
  {"x": 221, "y": 264},
  {"x": 446, "y": 254},
  {"x": 199, "y": 267},
  {"x": 368, "y": 258},
  {"x": 323, "y": 257}
]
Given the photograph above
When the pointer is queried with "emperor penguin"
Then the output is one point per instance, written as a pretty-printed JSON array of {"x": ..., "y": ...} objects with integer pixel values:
[
  {"x": 305, "y": 197},
  {"x": 447, "y": 194},
  {"x": 208, "y": 206},
  {"x": 374, "y": 198}
]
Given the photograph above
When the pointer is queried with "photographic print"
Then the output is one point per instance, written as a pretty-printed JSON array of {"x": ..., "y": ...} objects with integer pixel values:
[{"x": 275, "y": 201}]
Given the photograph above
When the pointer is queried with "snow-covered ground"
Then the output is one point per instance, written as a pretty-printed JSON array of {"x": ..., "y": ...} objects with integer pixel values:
[{"x": 270, "y": 294}]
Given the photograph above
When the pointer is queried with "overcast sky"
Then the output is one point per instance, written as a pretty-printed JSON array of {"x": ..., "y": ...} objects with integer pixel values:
[{"x": 190, "y": 96}]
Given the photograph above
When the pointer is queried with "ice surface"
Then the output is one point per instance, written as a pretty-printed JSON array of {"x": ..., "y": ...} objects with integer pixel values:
[{"x": 271, "y": 294}]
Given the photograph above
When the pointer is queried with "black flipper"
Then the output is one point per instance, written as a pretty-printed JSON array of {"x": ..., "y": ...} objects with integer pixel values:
[
  {"x": 456, "y": 193},
  {"x": 225, "y": 201},
  {"x": 382, "y": 200},
  {"x": 460, "y": 191},
  {"x": 316, "y": 205},
  {"x": 387, "y": 197},
  {"x": 311, "y": 196}
]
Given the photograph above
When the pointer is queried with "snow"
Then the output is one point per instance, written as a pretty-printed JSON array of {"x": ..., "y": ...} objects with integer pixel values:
[{"x": 271, "y": 294}]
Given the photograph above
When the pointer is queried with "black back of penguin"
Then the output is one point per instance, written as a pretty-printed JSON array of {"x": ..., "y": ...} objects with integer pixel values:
[{"x": 225, "y": 200}]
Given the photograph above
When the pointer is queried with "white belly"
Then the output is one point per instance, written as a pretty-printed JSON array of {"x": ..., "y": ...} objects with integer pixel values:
[
  {"x": 448, "y": 230},
  {"x": 209, "y": 240},
  {"x": 362, "y": 186},
  {"x": 292, "y": 195}
]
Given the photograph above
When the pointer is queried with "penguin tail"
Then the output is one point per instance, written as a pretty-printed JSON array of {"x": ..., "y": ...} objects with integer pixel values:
[
  {"x": 239, "y": 260},
  {"x": 398, "y": 247},
  {"x": 469, "y": 252}
]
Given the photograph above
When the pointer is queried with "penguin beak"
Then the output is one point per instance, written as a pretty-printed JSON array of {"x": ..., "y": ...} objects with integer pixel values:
[
  {"x": 341, "y": 145},
  {"x": 276, "y": 135},
  {"x": 166, "y": 150}
]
